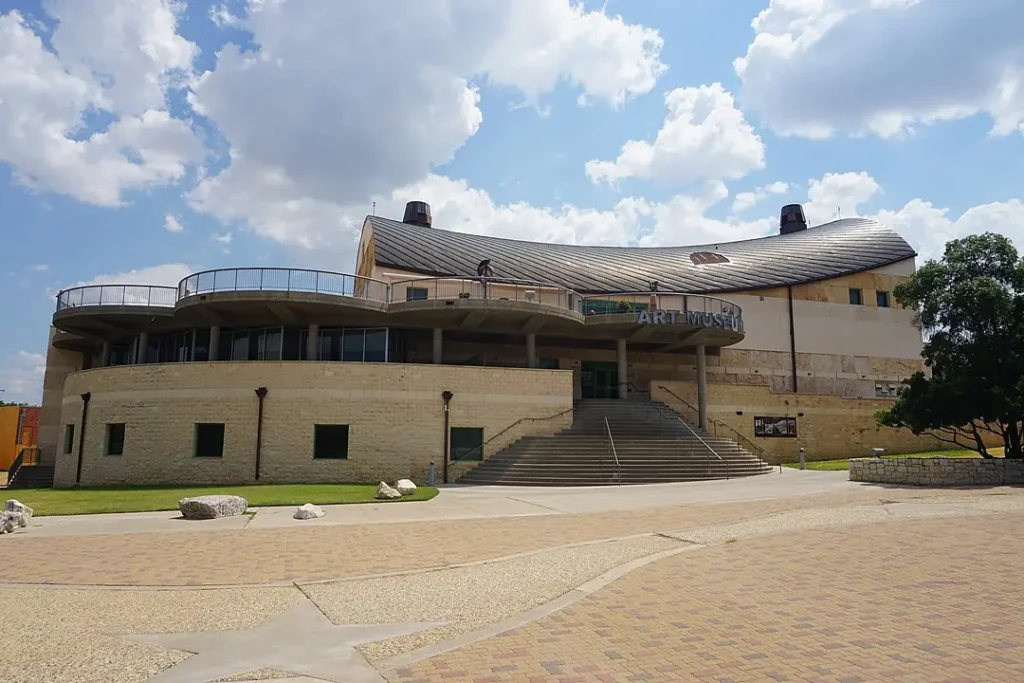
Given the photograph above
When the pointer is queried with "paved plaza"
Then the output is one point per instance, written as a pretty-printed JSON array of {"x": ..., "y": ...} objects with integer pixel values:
[{"x": 795, "y": 577}]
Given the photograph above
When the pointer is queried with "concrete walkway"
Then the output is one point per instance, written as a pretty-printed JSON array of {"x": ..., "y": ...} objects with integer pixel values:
[{"x": 474, "y": 502}]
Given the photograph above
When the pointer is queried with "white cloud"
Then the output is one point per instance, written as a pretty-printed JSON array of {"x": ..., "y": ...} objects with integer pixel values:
[
  {"x": 172, "y": 224},
  {"x": 41, "y": 267},
  {"x": 704, "y": 136},
  {"x": 745, "y": 201},
  {"x": 21, "y": 377},
  {"x": 820, "y": 66},
  {"x": 224, "y": 239},
  {"x": 89, "y": 119},
  {"x": 928, "y": 227},
  {"x": 166, "y": 274},
  {"x": 345, "y": 100},
  {"x": 838, "y": 195}
]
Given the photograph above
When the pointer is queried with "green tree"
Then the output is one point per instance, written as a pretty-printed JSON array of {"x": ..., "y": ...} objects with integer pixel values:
[{"x": 970, "y": 306}]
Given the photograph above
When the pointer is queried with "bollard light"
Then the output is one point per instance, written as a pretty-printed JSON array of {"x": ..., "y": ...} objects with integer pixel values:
[
  {"x": 430, "y": 474},
  {"x": 803, "y": 461}
]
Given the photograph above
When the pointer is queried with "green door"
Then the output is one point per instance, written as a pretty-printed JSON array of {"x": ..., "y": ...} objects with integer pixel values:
[{"x": 599, "y": 379}]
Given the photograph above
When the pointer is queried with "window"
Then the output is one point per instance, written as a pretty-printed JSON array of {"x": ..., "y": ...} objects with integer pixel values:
[
  {"x": 376, "y": 349},
  {"x": 856, "y": 297},
  {"x": 330, "y": 442},
  {"x": 209, "y": 440},
  {"x": 467, "y": 443},
  {"x": 700, "y": 258},
  {"x": 69, "y": 438},
  {"x": 416, "y": 294},
  {"x": 548, "y": 363},
  {"x": 115, "y": 439},
  {"x": 882, "y": 299}
]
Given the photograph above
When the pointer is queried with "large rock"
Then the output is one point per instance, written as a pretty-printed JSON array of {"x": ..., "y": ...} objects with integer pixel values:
[
  {"x": 24, "y": 511},
  {"x": 385, "y": 492},
  {"x": 212, "y": 507},
  {"x": 9, "y": 521},
  {"x": 405, "y": 487},
  {"x": 309, "y": 511}
]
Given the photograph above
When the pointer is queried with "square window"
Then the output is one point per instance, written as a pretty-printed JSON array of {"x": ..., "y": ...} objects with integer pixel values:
[
  {"x": 416, "y": 294},
  {"x": 467, "y": 443},
  {"x": 69, "y": 438},
  {"x": 548, "y": 363},
  {"x": 115, "y": 439},
  {"x": 856, "y": 297},
  {"x": 209, "y": 440},
  {"x": 330, "y": 442},
  {"x": 882, "y": 299}
]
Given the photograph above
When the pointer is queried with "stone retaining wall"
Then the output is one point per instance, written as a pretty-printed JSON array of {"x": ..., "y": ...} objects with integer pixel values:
[{"x": 938, "y": 471}]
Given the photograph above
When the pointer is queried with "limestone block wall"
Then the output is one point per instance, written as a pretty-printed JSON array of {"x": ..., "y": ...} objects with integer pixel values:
[
  {"x": 59, "y": 364},
  {"x": 828, "y": 427},
  {"x": 938, "y": 471},
  {"x": 394, "y": 412}
]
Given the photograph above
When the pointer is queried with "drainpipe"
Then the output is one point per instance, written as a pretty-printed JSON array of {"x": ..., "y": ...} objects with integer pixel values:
[
  {"x": 792, "y": 337},
  {"x": 81, "y": 435},
  {"x": 447, "y": 396},
  {"x": 261, "y": 393}
]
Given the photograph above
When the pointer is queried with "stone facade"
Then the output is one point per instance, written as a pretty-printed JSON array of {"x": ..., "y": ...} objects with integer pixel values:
[
  {"x": 828, "y": 427},
  {"x": 59, "y": 364},
  {"x": 394, "y": 412},
  {"x": 938, "y": 471}
]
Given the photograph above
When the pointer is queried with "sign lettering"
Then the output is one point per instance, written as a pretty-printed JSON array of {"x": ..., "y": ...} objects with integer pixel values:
[{"x": 721, "y": 321}]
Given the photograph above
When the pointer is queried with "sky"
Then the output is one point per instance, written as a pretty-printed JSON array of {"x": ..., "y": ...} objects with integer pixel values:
[{"x": 141, "y": 140}]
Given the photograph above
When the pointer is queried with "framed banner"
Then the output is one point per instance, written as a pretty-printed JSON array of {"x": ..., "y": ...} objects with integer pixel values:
[{"x": 775, "y": 426}]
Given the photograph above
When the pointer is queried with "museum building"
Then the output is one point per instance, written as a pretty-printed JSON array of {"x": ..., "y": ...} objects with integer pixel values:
[{"x": 467, "y": 357}]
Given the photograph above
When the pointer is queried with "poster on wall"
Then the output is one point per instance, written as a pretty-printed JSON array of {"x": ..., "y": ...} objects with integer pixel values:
[{"x": 775, "y": 426}]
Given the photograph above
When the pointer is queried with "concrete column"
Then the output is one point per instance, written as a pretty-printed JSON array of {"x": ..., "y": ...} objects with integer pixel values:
[
  {"x": 702, "y": 388},
  {"x": 438, "y": 345},
  {"x": 214, "y": 349},
  {"x": 142, "y": 348},
  {"x": 531, "y": 350},
  {"x": 623, "y": 370},
  {"x": 313, "y": 342},
  {"x": 105, "y": 354}
]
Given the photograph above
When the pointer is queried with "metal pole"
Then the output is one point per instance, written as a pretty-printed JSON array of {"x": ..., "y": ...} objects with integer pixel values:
[
  {"x": 81, "y": 435},
  {"x": 447, "y": 396},
  {"x": 803, "y": 461},
  {"x": 261, "y": 393}
]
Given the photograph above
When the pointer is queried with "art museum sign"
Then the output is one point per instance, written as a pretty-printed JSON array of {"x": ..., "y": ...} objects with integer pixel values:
[{"x": 719, "y": 321}]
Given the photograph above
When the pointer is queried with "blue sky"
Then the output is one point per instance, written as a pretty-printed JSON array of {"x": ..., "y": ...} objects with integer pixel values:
[{"x": 141, "y": 140}]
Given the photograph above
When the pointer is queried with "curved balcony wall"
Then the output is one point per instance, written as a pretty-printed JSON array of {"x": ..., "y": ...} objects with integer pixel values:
[
  {"x": 282, "y": 280},
  {"x": 117, "y": 295}
]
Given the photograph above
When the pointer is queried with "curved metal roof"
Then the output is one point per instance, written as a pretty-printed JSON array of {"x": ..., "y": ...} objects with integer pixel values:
[{"x": 844, "y": 246}]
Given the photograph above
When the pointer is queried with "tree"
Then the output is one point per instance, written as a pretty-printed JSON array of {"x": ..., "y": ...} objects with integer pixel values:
[{"x": 970, "y": 305}]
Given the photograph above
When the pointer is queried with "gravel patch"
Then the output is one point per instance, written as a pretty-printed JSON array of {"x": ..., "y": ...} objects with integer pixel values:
[
  {"x": 72, "y": 636},
  {"x": 468, "y": 598},
  {"x": 784, "y": 522}
]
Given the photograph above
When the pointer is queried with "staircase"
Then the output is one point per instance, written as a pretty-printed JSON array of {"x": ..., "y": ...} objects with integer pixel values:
[
  {"x": 651, "y": 444},
  {"x": 27, "y": 473}
]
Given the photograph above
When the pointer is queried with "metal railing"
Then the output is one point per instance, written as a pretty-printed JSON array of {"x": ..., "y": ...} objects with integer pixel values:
[
  {"x": 492, "y": 289},
  {"x": 283, "y": 280},
  {"x": 765, "y": 456},
  {"x": 634, "y": 302},
  {"x": 27, "y": 456},
  {"x": 615, "y": 453},
  {"x": 482, "y": 447},
  {"x": 116, "y": 295}
]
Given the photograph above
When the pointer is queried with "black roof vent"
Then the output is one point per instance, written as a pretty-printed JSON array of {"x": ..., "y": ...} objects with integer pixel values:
[
  {"x": 417, "y": 213},
  {"x": 792, "y": 219}
]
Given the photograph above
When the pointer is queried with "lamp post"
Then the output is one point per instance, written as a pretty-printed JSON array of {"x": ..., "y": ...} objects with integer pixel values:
[{"x": 447, "y": 396}]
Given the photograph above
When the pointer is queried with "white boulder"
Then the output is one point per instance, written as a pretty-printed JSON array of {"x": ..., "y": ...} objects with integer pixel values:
[
  {"x": 405, "y": 487},
  {"x": 385, "y": 492},
  {"x": 24, "y": 511},
  {"x": 308, "y": 511},
  {"x": 9, "y": 521},
  {"x": 212, "y": 507}
]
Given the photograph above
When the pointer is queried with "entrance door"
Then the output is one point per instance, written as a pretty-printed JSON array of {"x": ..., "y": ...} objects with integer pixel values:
[{"x": 599, "y": 379}]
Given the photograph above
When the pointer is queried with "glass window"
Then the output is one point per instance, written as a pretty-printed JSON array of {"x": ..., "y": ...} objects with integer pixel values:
[
  {"x": 115, "y": 439},
  {"x": 376, "y": 346},
  {"x": 225, "y": 344},
  {"x": 882, "y": 299},
  {"x": 69, "y": 438},
  {"x": 209, "y": 440},
  {"x": 272, "y": 344},
  {"x": 330, "y": 344},
  {"x": 201, "y": 345},
  {"x": 467, "y": 443},
  {"x": 353, "y": 345},
  {"x": 416, "y": 294},
  {"x": 548, "y": 363},
  {"x": 239, "y": 345},
  {"x": 120, "y": 354},
  {"x": 856, "y": 297},
  {"x": 293, "y": 344},
  {"x": 330, "y": 442}
]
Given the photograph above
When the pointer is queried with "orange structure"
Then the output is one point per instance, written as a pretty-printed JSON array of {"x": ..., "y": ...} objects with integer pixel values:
[{"x": 19, "y": 428}]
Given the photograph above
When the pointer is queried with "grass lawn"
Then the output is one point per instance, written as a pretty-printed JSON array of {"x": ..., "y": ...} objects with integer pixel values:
[
  {"x": 836, "y": 465},
  {"x": 88, "y": 500}
]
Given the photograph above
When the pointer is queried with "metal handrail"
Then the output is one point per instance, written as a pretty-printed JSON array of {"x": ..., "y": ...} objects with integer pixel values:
[
  {"x": 492, "y": 288},
  {"x": 27, "y": 455},
  {"x": 482, "y": 446},
  {"x": 116, "y": 295},
  {"x": 283, "y": 280},
  {"x": 637, "y": 390},
  {"x": 769, "y": 457},
  {"x": 724, "y": 305},
  {"x": 615, "y": 453}
]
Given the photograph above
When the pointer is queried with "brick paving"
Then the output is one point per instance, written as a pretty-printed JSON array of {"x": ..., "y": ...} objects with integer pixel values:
[
  {"x": 922, "y": 601},
  {"x": 273, "y": 555}
]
